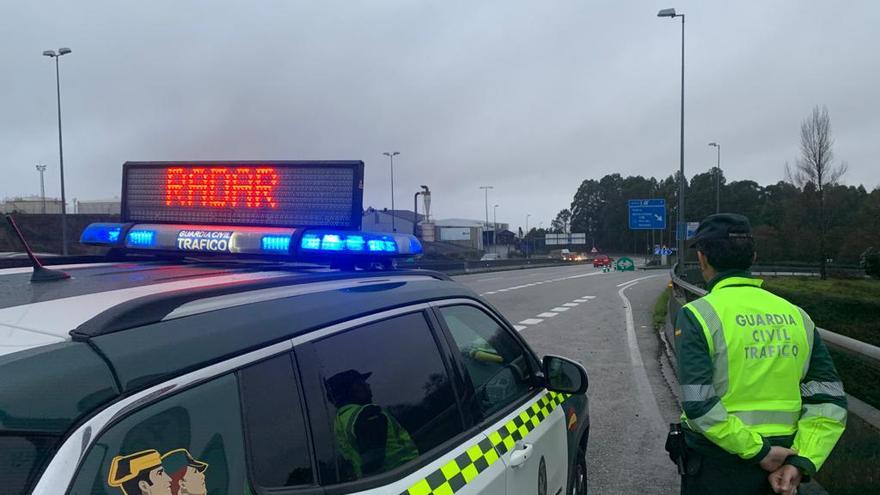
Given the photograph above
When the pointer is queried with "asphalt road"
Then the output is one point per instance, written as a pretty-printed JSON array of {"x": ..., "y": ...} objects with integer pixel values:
[{"x": 581, "y": 313}]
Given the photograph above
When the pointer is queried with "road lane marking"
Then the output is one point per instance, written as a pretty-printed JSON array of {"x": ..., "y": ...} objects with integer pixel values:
[
  {"x": 519, "y": 328},
  {"x": 581, "y": 300},
  {"x": 645, "y": 392},
  {"x": 560, "y": 309},
  {"x": 547, "y": 314},
  {"x": 588, "y": 297},
  {"x": 488, "y": 279},
  {"x": 531, "y": 321},
  {"x": 636, "y": 280},
  {"x": 570, "y": 305}
]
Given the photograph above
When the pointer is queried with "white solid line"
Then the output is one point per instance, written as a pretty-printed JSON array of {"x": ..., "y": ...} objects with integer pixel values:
[
  {"x": 547, "y": 315},
  {"x": 487, "y": 293},
  {"x": 645, "y": 392},
  {"x": 531, "y": 321},
  {"x": 560, "y": 309},
  {"x": 487, "y": 279},
  {"x": 570, "y": 305},
  {"x": 519, "y": 328},
  {"x": 636, "y": 280}
]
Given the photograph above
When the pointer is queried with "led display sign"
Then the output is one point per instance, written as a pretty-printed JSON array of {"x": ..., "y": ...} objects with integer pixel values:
[{"x": 289, "y": 194}]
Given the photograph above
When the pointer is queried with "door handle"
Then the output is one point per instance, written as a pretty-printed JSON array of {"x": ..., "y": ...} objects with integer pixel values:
[{"x": 521, "y": 455}]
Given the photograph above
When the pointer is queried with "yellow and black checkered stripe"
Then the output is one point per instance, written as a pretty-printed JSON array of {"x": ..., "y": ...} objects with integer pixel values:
[{"x": 460, "y": 471}]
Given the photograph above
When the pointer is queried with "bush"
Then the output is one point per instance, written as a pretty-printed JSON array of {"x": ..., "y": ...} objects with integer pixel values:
[{"x": 870, "y": 262}]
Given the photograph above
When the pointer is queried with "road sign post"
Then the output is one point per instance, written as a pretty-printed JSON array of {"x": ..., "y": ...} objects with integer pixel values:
[{"x": 647, "y": 214}]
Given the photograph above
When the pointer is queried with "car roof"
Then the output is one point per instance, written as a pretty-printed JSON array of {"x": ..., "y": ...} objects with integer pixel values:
[{"x": 114, "y": 328}]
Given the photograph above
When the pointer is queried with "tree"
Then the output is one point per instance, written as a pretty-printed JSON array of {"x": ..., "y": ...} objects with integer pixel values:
[
  {"x": 561, "y": 223},
  {"x": 816, "y": 166}
]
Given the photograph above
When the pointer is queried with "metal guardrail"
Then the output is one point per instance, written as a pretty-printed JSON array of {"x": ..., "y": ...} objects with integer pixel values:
[
  {"x": 864, "y": 351},
  {"x": 468, "y": 266}
]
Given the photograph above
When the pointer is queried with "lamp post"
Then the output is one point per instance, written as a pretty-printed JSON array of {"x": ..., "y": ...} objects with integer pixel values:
[
  {"x": 717, "y": 179},
  {"x": 486, "y": 189},
  {"x": 526, "y": 236},
  {"x": 495, "y": 219},
  {"x": 56, "y": 56},
  {"x": 391, "y": 155},
  {"x": 681, "y": 218},
  {"x": 42, "y": 169}
]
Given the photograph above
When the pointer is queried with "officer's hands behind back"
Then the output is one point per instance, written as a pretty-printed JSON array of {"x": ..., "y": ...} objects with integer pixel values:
[
  {"x": 774, "y": 459},
  {"x": 785, "y": 480}
]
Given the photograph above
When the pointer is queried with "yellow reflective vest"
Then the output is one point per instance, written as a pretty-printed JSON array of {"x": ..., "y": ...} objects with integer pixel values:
[{"x": 752, "y": 366}]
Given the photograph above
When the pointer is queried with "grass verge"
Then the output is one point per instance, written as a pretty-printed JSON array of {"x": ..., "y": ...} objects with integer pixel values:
[
  {"x": 661, "y": 307},
  {"x": 844, "y": 306}
]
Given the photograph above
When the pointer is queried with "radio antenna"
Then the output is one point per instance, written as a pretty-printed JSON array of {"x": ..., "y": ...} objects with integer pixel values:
[{"x": 41, "y": 273}]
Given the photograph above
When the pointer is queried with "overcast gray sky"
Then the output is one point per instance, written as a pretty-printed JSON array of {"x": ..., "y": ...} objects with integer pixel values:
[{"x": 531, "y": 97}]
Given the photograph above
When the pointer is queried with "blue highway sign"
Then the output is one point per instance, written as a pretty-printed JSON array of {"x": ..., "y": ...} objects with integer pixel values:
[{"x": 646, "y": 214}]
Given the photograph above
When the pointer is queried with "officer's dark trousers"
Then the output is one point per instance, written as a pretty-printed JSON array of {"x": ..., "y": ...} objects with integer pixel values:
[{"x": 723, "y": 476}]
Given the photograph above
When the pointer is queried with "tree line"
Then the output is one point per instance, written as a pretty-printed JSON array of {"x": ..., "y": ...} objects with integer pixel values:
[{"x": 809, "y": 217}]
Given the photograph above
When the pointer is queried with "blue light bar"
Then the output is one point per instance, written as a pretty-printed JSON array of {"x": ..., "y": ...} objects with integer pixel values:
[
  {"x": 359, "y": 243},
  {"x": 275, "y": 243},
  {"x": 102, "y": 234},
  {"x": 141, "y": 238}
]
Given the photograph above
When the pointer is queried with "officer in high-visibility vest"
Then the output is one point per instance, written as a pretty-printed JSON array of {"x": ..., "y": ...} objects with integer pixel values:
[
  {"x": 370, "y": 438},
  {"x": 763, "y": 404}
]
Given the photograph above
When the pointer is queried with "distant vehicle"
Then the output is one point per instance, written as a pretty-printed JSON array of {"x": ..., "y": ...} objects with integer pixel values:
[
  {"x": 559, "y": 254},
  {"x": 602, "y": 260},
  {"x": 491, "y": 257}
]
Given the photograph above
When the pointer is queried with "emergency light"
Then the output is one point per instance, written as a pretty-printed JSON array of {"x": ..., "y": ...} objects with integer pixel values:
[{"x": 302, "y": 210}]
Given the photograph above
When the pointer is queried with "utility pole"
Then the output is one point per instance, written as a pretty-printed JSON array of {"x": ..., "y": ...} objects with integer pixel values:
[
  {"x": 486, "y": 189},
  {"x": 42, "y": 169},
  {"x": 391, "y": 155},
  {"x": 717, "y": 179}
]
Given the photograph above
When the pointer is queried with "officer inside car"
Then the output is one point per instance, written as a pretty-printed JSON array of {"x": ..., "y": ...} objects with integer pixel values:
[
  {"x": 370, "y": 438},
  {"x": 763, "y": 404}
]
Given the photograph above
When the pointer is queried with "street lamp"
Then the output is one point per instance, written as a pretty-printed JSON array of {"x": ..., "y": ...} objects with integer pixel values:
[
  {"x": 495, "y": 219},
  {"x": 42, "y": 169},
  {"x": 525, "y": 237},
  {"x": 391, "y": 156},
  {"x": 56, "y": 56},
  {"x": 670, "y": 13},
  {"x": 486, "y": 189},
  {"x": 717, "y": 179}
]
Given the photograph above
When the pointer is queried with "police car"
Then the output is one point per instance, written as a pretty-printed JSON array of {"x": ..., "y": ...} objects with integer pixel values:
[{"x": 242, "y": 336}]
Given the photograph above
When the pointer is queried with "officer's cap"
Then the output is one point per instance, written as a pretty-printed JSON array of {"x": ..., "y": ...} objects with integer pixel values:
[
  {"x": 722, "y": 226},
  {"x": 128, "y": 467},
  {"x": 342, "y": 381},
  {"x": 178, "y": 459}
]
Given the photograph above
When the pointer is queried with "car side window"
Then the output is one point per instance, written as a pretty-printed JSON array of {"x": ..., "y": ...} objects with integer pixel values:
[
  {"x": 275, "y": 429},
  {"x": 496, "y": 363},
  {"x": 189, "y": 443},
  {"x": 388, "y": 395}
]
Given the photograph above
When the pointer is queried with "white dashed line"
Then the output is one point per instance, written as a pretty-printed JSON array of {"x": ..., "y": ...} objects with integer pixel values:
[
  {"x": 581, "y": 300},
  {"x": 570, "y": 305},
  {"x": 519, "y": 328},
  {"x": 548, "y": 315},
  {"x": 589, "y": 297},
  {"x": 560, "y": 309},
  {"x": 531, "y": 321}
]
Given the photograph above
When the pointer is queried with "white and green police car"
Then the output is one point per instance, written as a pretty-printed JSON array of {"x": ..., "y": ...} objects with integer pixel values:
[{"x": 242, "y": 336}]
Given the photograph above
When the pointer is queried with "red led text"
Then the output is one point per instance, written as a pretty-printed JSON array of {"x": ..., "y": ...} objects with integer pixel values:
[{"x": 221, "y": 187}]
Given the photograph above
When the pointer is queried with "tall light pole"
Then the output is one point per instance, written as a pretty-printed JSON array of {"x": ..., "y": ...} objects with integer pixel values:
[
  {"x": 486, "y": 189},
  {"x": 495, "y": 219},
  {"x": 681, "y": 218},
  {"x": 42, "y": 169},
  {"x": 56, "y": 56},
  {"x": 717, "y": 179},
  {"x": 391, "y": 155},
  {"x": 525, "y": 237}
]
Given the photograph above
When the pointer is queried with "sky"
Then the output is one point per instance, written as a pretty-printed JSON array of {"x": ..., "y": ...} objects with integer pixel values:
[{"x": 529, "y": 97}]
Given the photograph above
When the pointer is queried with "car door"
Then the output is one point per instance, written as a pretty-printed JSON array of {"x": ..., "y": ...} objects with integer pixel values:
[
  {"x": 520, "y": 418},
  {"x": 391, "y": 370}
]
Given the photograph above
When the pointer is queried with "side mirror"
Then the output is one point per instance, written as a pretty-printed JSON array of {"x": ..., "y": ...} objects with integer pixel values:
[{"x": 564, "y": 375}]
